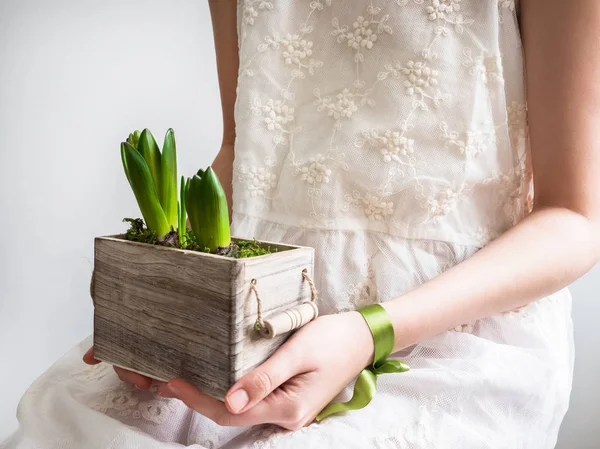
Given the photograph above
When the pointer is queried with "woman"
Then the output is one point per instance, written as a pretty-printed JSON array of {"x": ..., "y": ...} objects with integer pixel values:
[{"x": 392, "y": 136}]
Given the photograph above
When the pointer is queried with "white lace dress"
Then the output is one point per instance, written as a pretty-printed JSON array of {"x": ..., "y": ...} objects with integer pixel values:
[{"x": 390, "y": 135}]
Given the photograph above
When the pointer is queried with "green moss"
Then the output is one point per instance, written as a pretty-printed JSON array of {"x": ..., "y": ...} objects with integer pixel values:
[
  {"x": 252, "y": 248},
  {"x": 189, "y": 242},
  {"x": 138, "y": 232}
]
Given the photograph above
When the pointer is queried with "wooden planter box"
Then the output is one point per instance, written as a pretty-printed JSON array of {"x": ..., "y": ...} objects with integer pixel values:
[{"x": 167, "y": 313}]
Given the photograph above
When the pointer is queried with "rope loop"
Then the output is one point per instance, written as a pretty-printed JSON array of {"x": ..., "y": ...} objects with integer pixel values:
[
  {"x": 259, "y": 324},
  {"x": 313, "y": 289}
]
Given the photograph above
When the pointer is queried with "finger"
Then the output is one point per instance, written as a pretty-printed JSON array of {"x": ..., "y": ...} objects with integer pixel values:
[
  {"x": 214, "y": 409},
  {"x": 141, "y": 382},
  {"x": 88, "y": 357},
  {"x": 260, "y": 382}
]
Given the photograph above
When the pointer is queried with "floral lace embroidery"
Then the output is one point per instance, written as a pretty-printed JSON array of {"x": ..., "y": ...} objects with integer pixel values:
[
  {"x": 124, "y": 401},
  {"x": 517, "y": 118},
  {"x": 440, "y": 9},
  {"x": 507, "y": 4},
  {"x": 278, "y": 117},
  {"x": 363, "y": 33},
  {"x": 362, "y": 293},
  {"x": 422, "y": 80},
  {"x": 295, "y": 50},
  {"x": 488, "y": 69},
  {"x": 444, "y": 202},
  {"x": 277, "y": 114},
  {"x": 259, "y": 181},
  {"x": 267, "y": 437},
  {"x": 475, "y": 142},
  {"x": 92, "y": 373},
  {"x": 375, "y": 208},
  {"x": 445, "y": 13},
  {"x": 418, "y": 79},
  {"x": 271, "y": 437},
  {"x": 251, "y": 9},
  {"x": 513, "y": 191},
  {"x": 484, "y": 235},
  {"x": 343, "y": 105},
  {"x": 315, "y": 171},
  {"x": 205, "y": 443},
  {"x": 392, "y": 145},
  {"x": 419, "y": 432}
]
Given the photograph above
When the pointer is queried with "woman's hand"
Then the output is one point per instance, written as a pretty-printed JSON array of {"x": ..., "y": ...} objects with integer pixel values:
[
  {"x": 139, "y": 381},
  {"x": 296, "y": 383}
]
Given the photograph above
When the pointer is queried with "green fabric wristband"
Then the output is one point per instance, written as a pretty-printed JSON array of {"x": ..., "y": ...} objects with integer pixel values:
[{"x": 382, "y": 330}]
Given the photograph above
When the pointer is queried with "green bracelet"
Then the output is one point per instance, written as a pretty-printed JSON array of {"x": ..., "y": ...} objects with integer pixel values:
[{"x": 365, "y": 387}]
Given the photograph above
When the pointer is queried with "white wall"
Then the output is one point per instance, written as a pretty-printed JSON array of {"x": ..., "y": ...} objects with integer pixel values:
[
  {"x": 581, "y": 429},
  {"x": 75, "y": 77}
]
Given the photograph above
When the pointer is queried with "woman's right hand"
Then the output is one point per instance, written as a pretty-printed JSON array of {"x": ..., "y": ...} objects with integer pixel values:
[{"x": 135, "y": 379}]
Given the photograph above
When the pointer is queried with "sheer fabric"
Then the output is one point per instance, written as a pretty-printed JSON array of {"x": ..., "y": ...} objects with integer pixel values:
[{"x": 390, "y": 136}]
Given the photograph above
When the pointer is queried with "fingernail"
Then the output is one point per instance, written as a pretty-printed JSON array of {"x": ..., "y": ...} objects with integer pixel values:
[{"x": 238, "y": 400}]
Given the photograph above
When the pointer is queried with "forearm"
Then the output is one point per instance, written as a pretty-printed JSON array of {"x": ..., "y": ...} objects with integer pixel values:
[
  {"x": 224, "y": 19},
  {"x": 548, "y": 250},
  {"x": 558, "y": 242}
]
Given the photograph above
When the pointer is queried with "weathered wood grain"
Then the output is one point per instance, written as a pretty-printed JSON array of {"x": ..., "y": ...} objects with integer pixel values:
[{"x": 169, "y": 313}]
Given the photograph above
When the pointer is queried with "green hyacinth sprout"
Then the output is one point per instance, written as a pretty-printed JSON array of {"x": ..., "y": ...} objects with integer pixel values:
[
  {"x": 153, "y": 179},
  {"x": 207, "y": 210},
  {"x": 182, "y": 225}
]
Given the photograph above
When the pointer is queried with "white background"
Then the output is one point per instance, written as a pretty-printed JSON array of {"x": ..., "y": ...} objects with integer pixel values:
[{"x": 76, "y": 76}]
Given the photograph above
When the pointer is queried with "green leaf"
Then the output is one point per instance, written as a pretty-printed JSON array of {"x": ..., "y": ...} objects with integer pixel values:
[
  {"x": 182, "y": 210},
  {"x": 168, "y": 189},
  {"x": 144, "y": 190},
  {"x": 134, "y": 139},
  {"x": 217, "y": 202},
  {"x": 124, "y": 160},
  {"x": 193, "y": 197},
  {"x": 208, "y": 211},
  {"x": 151, "y": 153}
]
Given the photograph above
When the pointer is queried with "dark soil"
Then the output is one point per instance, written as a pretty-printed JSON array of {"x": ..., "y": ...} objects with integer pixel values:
[
  {"x": 138, "y": 232},
  {"x": 230, "y": 251},
  {"x": 171, "y": 239}
]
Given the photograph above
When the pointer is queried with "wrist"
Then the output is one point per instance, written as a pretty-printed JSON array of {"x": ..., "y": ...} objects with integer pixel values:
[
  {"x": 361, "y": 338},
  {"x": 382, "y": 330},
  {"x": 406, "y": 321},
  {"x": 378, "y": 330}
]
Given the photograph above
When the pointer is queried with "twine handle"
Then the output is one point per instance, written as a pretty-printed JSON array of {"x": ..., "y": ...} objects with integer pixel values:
[
  {"x": 259, "y": 324},
  {"x": 313, "y": 289},
  {"x": 297, "y": 316}
]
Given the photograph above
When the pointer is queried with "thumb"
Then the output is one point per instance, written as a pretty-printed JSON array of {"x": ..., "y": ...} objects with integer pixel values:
[{"x": 260, "y": 382}]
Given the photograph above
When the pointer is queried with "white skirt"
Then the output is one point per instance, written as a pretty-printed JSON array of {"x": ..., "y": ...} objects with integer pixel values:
[{"x": 502, "y": 382}]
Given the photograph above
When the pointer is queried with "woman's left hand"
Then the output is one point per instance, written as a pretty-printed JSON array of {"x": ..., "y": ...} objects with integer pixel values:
[{"x": 296, "y": 382}]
